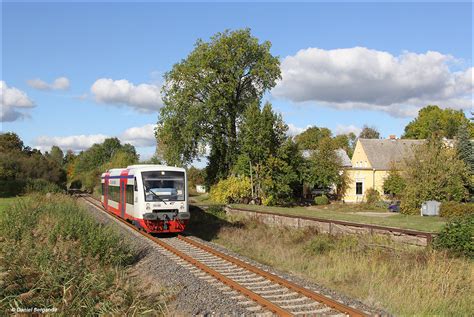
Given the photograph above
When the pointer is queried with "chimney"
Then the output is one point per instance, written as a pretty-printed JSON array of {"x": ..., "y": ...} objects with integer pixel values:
[{"x": 392, "y": 137}]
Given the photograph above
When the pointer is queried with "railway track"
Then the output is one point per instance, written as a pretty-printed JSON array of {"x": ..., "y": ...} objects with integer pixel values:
[{"x": 261, "y": 291}]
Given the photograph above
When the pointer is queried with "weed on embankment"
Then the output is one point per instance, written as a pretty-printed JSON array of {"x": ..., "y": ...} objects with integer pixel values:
[
  {"x": 56, "y": 256},
  {"x": 401, "y": 279}
]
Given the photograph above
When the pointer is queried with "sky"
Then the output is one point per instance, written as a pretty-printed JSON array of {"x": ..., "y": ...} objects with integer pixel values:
[{"x": 76, "y": 73}]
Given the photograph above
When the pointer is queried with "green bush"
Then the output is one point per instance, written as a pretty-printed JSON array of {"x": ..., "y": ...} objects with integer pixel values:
[
  {"x": 41, "y": 186},
  {"x": 9, "y": 188},
  {"x": 456, "y": 236},
  {"x": 230, "y": 190},
  {"x": 372, "y": 196},
  {"x": 451, "y": 209},
  {"x": 321, "y": 200},
  {"x": 320, "y": 244}
]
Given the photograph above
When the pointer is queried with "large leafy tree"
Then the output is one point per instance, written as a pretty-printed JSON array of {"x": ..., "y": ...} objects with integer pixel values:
[
  {"x": 206, "y": 94},
  {"x": 434, "y": 120}
]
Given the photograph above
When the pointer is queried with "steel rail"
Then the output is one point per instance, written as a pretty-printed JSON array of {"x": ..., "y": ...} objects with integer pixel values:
[
  {"x": 301, "y": 290},
  {"x": 243, "y": 290}
]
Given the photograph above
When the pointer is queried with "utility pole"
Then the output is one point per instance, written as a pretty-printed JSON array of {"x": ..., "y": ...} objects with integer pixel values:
[{"x": 251, "y": 178}]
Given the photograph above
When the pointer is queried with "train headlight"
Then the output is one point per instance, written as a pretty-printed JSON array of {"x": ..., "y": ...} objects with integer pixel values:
[{"x": 147, "y": 206}]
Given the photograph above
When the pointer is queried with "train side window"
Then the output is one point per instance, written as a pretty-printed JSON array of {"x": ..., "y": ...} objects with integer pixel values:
[{"x": 135, "y": 186}]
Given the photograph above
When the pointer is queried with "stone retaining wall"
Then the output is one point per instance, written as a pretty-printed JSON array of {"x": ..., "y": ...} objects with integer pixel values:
[{"x": 333, "y": 227}]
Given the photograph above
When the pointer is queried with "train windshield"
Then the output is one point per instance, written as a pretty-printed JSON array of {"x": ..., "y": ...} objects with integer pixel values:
[{"x": 163, "y": 185}]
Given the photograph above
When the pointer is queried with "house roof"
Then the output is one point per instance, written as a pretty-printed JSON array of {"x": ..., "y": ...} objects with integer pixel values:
[
  {"x": 341, "y": 153},
  {"x": 382, "y": 152}
]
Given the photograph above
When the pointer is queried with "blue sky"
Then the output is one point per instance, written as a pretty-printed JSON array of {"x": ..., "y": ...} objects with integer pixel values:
[{"x": 362, "y": 63}]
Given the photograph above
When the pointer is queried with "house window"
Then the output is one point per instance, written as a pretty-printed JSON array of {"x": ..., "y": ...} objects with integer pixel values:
[{"x": 358, "y": 188}]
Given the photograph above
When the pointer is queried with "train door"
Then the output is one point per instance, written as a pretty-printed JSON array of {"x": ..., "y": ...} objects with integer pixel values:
[
  {"x": 106, "y": 192},
  {"x": 123, "y": 191}
]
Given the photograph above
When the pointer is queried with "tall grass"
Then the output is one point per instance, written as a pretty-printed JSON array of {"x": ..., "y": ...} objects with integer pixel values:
[
  {"x": 55, "y": 255},
  {"x": 404, "y": 280}
]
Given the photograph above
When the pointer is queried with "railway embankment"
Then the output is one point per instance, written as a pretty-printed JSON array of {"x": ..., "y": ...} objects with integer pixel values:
[{"x": 332, "y": 226}]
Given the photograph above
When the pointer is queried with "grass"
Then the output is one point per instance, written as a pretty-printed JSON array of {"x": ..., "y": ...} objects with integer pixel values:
[
  {"x": 429, "y": 224},
  {"x": 401, "y": 279},
  {"x": 201, "y": 199},
  {"x": 55, "y": 255},
  {"x": 5, "y": 202}
]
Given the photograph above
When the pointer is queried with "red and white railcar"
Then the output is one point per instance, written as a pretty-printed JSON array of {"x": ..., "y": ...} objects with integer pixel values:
[{"x": 152, "y": 197}]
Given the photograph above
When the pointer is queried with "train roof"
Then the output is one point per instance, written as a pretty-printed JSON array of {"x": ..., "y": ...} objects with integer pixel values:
[{"x": 143, "y": 168}]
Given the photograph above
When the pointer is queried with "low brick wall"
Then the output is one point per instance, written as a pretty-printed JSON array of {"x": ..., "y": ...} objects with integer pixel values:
[{"x": 334, "y": 226}]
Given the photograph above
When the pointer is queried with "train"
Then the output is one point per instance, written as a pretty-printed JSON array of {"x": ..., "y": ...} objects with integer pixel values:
[{"x": 152, "y": 197}]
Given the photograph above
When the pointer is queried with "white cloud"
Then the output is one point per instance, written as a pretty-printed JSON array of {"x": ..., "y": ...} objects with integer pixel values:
[
  {"x": 294, "y": 130},
  {"x": 142, "y": 97},
  {"x": 346, "y": 129},
  {"x": 12, "y": 100},
  {"x": 140, "y": 136},
  {"x": 73, "y": 142},
  {"x": 361, "y": 78},
  {"x": 143, "y": 136},
  {"x": 60, "y": 83}
]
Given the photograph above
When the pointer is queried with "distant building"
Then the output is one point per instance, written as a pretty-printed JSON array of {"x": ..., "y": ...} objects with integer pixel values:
[
  {"x": 371, "y": 162},
  {"x": 201, "y": 189}
]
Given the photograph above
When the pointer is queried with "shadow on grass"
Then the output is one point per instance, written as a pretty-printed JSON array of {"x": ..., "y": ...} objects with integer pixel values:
[{"x": 206, "y": 222}]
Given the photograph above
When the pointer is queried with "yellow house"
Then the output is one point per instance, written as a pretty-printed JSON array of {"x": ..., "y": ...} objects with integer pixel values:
[{"x": 371, "y": 161}]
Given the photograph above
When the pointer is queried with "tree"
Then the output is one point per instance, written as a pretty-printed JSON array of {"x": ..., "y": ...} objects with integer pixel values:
[
  {"x": 394, "y": 184},
  {"x": 206, "y": 94},
  {"x": 10, "y": 141},
  {"x": 433, "y": 119},
  {"x": 311, "y": 137},
  {"x": 195, "y": 177},
  {"x": 369, "y": 133},
  {"x": 89, "y": 164},
  {"x": 324, "y": 166},
  {"x": 434, "y": 172},
  {"x": 262, "y": 133},
  {"x": 57, "y": 155},
  {"x": 346, "y": 142},
  {"x": 277, "y": 179},
  {"x": 464, "y": 146}
]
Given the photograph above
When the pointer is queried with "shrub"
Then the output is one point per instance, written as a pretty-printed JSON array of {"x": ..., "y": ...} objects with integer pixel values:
[
  {"x": 229, "y": 190},
  {"x": 372, "y": 196},
  {"x": 456, "y": 236},
  {"x": 10, "y": 188},
  {"x": 321, "y": 200},
  {"x": 41, "y": 186},
  {"x": 320, "y": 244},
  {"x": 394, "y": 184},
  {"x": 451, "y": 209}
]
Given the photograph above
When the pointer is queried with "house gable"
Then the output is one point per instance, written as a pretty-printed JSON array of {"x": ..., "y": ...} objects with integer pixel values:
[{"x": 360, "y": 158}]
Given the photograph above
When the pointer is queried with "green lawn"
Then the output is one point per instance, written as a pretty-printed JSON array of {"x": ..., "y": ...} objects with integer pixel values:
[
  {"x": 5, "y": 202},
  {"x": 429, "y": 224}
]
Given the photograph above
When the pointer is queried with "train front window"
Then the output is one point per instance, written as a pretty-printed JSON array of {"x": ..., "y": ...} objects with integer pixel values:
[{"x": 163, "y": 185}]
